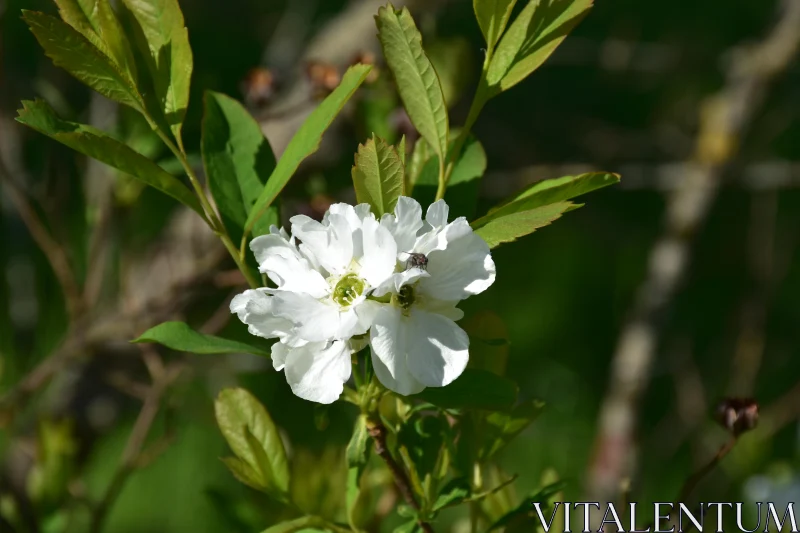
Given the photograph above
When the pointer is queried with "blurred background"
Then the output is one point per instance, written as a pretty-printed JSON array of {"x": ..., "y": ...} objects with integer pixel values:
[{"x": 631, "y": 318}]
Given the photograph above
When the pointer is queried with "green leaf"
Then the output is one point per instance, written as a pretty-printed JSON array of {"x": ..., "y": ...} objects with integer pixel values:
[
  {"x": 94, "y": 143},
  {"x": 557, "y": 190},
  {"x": 499, "y": 229},
  {"x": 357, "y": 456},
  {"x": 416, "y": 78},
  {"x": 532, "y": 37},
  {"x": 77, "y": 55},
  {"x": 420, "y": 155},
  {"x": 474, "y": 389},
  {"x": 412, "y": 526},
  {"x": 306, "y": 141},
  {"x": 169, "y": 56},
  {"x": 521, "y": 511},
  {"x": 253, "y": 437},
  {"x": 237, "y": 158},
  {"x": 378, "y": 175},
  {"x": 179, "y": 336},
  {"x": 308, "y": 524},
  {"x": 454, "y": 61},
  {"x": 492, "y": 17},
  {"x": 96, "y": 21},
  {"x": 455, "y": 492},
  {"x": 245, "y": 473},
  {"x": 501, "y": 428},
  {"x": 464, "y": 185}
]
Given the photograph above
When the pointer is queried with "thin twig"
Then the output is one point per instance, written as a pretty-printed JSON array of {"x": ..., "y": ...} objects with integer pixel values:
[
  {"x": 691, "y": 482},
  {"x": 377, "y": 431}
]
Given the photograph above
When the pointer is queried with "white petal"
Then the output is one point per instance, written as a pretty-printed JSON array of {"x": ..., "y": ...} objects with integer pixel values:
[
  {"x": 398, "y": 279},
  {"x": 380, "y": 253},
  {"x": 404, "y": 223},
  {"x": 363, "y": 211},
  {"x": 330, "y": 243},
  {"x": 389, "y": 341},
  {"x": 318, "y": 371},
  {"x": 314, "y": 320},
  {"x": 442, "y": 307},
  {"x": 254, "y": 307},
  {"x": 463, "y": 268},
  {"x": 438, "y": 350},
  {"x": 437, "y": 214},
  {"x": 286, "y": 267},
  {"x": 279, "y": 353}
]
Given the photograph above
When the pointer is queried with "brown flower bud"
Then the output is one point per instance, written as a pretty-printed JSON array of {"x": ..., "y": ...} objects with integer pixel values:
[
  {"x": 258, "y": 87},
  {"x": 324, "y": 77},
  {"x": 738, "y": 415}
]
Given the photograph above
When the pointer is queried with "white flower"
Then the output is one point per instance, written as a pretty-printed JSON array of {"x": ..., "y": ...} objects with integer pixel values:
[
  {"x": 322, "y": 284},
  {"x": 415, "y": 340}
]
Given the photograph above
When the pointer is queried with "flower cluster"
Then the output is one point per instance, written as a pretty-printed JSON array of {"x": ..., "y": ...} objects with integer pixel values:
[{"x": 350, "y": 280}]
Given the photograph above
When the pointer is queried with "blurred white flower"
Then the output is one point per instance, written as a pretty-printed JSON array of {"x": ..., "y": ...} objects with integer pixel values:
[
  {"x": 322, "y": 284},
  {"x": 415, "y": 340}
]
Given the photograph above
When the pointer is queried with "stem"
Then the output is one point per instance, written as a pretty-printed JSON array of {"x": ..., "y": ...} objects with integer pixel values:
[
  {"x": 695, "y": 478},
  {"x": 378, "y": 433},
  {"x": 214, "y": 222}
]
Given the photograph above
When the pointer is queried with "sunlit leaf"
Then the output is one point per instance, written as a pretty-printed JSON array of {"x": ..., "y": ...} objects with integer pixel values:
[
  {"x": 238, "y": 160},
  {"x": 496, "y": 230},
  {"x": 94, "y": 143},
  {"x": 378, "y": 175},
  {"x": 179, "y": 336},
  {"x": 306, "y": 141},
  {"x": 416, "y": 78},
  {"x": 455, "y": 492},
  {"x": 253, "y": 437},
  {"x": 557, "y": 190},
  {"x": 306, "y": 524},
  {"x": 474, "y": 389},
  {"x": 77, "y": 55},
  {"x": 532, "y": 37},
  {"x": 170, "y": 57},
  {"x": 492, "y": 18}
]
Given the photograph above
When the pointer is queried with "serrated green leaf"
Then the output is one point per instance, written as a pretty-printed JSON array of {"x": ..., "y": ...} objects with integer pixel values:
[
  {"x": 238, "y": 160},
  {"x": 492, "y": 16},
  {"x": 253, "y": 437},
  {"x": 168, "y": 54},
  {"x": 306, "y": 141},
  {"x": 73, "y": 52},
  {"x": 96, "y": 21},
  {"x": 94, "y": 143},
  {"x": 378, "y": 175},
  {"x": 357, "y": 456},
  {"x": 474, "y": 389},
  {"x": 417, "y": 81},
  {"x": 179, "y": 336},
  {"x": 496, "y": 230},
  {"x": 532, "y": 37},
  {"x": 558, "y": 189},
  {"x": 453, "y": 493}
]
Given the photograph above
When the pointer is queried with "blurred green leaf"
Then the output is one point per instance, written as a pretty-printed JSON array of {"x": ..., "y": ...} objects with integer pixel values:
[
  {"x": 455, "y": 492},
  {"x": 96, "y": 21},
  {"x": 238, "y": 160},
  {"x": 409, "y": 527},
  {"x": 420, "y": 155},
  {"x": 378, "y": 175},
  {"x": 556, "y": 190},
  {"x": 168, "y": 56},
  {"x": 523, "y": 512},
  {"x": 77, "y": 55},
  {"x": 306, "y": 141},
  {"x": 357, "y": 456},
  {"x": 464, "y": 185},
  {"x": 492, "y": 16},
  {"x": 417, "y": 81},
  {"x": 532, "y": 37},
  {"x": 500, "y": 428},
  {"x": 254, "y": 439},
  {"x": 488, "y": 341},
  {"x": 474, "y": 389},
  {"x": 179, "y": 336},
  {"x": 94, "y": 143},
  {"x": 308, "y": 524},
  {"x": 453, "y": 60},
  {"x": 245, "y": 473},
  {"x": 498, "y": 229}
]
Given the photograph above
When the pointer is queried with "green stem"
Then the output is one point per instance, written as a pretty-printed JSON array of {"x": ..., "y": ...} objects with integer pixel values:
[{"x": 214, "y": 222}]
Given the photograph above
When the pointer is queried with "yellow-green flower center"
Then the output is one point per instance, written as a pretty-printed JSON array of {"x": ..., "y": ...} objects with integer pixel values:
[{"x": 348, "y": 289}]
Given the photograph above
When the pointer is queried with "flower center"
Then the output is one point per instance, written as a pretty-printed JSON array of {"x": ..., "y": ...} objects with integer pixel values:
[
  {"x": 405, "y": 297},
  {"x": 348, "y": 289}
]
